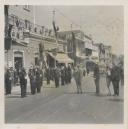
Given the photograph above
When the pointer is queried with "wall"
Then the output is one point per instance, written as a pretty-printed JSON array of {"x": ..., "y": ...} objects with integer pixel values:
[{"x": 21, "y": 12}]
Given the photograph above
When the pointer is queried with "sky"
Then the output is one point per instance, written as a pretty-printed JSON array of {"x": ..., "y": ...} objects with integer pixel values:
[{"x": 103, "y": 23}]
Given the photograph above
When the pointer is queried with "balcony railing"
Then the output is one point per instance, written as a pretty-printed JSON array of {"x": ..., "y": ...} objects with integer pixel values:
[{"x": 28, "y": 26}]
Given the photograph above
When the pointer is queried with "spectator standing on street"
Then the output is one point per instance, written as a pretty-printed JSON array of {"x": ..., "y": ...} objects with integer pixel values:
[
  {"x": 57, "y": 76},
  {"x": 32, "y": 78},
  {"x": 38, "y": 86},
  {"x": 108, "y": 78},
  {"x": 8, "y": 82},
  {"x": 69, "y": 70},
  {"x": 15, "y": 77},
  {"x": 41, "y": 77},
  {"x": 62, "y": 76},
  {"x": 12, "y": 75},
  {"x": 122, "y": 75},
  {"x": 78, "y": 78},
  {"x": 84, "y": 72},
  {"x": 52, "y": 73},
  {"x": 87, "y": 71},
  {"x": 23, "y": 82},
  {"x": 115, "y": 76},
  {"x": 48, "y": 75},
  {"x": 97, "y": 77},
  {"x": 66, "y": 74}
]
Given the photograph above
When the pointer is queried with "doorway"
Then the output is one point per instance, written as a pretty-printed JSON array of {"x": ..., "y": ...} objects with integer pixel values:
[{"x": 18, "y": 60}]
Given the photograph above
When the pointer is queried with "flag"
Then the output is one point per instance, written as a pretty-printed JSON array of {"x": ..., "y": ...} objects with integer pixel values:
[
  {"x": 102, "y": 49},
  {"x": 41, "y": 48},
  {"x": 55, "y": 28},
  {"x": 41, "y": 54},
  {"x": 73, "y": 48},
  {"x": 9, "y": 30}
]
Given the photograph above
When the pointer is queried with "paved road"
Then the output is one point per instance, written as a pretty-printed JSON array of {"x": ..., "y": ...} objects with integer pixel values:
[{"x": 63, "y": 105}]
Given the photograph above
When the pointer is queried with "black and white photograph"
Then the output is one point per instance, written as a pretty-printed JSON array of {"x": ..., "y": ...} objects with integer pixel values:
[{"x": 64, "y": 64}]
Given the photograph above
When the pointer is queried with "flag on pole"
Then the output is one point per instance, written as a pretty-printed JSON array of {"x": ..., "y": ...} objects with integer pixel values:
[
  {"x": 41, "y": 54},
  {"x": 55, "y": 28},
  {"x": 102, "y": 49},
  {"x": 73, "y": 48}
]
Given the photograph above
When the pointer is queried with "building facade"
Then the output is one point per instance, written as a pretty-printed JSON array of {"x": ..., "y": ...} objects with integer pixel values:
[
  {"x": 105, "y": 55},
  {"x": 75, "y": 45},
  {"x": 26, "y": 38},
  {"x": 18, "y": 18},
  {"x": 80, "y": 47}
]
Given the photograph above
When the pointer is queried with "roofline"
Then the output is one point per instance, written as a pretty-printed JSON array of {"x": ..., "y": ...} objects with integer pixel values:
[{"x": 69, "y": 31}]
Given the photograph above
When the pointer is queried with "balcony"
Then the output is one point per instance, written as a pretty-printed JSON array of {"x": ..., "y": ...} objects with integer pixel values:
[{"x": 30, "y": 29}]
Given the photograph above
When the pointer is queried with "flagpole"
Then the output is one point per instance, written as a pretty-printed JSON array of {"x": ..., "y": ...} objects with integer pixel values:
[
  {"x": 55, "y": 34},
  {"x": 54, "y": 22},
  {"x": 54, "y": 15},
  {"x": 34, "y": 19}
]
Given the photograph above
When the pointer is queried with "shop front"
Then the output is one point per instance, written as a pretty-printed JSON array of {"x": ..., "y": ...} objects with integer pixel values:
[{"x": 59, "y": 59}]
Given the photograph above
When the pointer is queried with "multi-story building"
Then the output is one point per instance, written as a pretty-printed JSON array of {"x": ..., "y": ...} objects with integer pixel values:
[
  {"x": 105, "y": 55},
  {"x": 91, "y": 51},
  {"x": 18, "y": 20},
  {"x": 75, "y": 46},
  {"x": 26, "y": 38},
  {"x": 80, "y": 47}
]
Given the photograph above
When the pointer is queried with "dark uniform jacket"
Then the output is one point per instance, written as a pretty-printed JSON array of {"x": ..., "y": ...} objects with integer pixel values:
[
  {"x": 96, "y": 72},
  {"x": 115, "y": 73}
]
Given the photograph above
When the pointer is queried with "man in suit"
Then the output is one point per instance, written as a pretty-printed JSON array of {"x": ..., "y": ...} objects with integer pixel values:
[
  {"x": 78, "y": 78},
  {"x": 57, "y": 77},
  {"x": 48, "y": 74},
  {"x": 62, "y": 76},
  {"x": 115, "y": 77},
  {"x": 8, "y": 83},
  {"x": 69, "y": 74},
  {"x": 32, "y": 77},
  {"x": 23, "y": 82},
  {"x": 97, "y": 77},
  {"x": 38, "y": 85},
  {"x": 108, "y": 78}
]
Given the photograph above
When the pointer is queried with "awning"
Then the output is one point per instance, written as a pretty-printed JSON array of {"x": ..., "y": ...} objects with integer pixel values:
[{"x": 61, "y": 58}]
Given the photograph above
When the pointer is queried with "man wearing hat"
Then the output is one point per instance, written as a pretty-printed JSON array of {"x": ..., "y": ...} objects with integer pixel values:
[
  {"x": 97, "y": 77},
  {"x": 115, "y": 77},
  {"x": 32, "y": 77}
]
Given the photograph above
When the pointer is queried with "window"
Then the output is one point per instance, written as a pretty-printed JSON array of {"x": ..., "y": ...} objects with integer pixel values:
[{"x": 26, "y": 7}]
